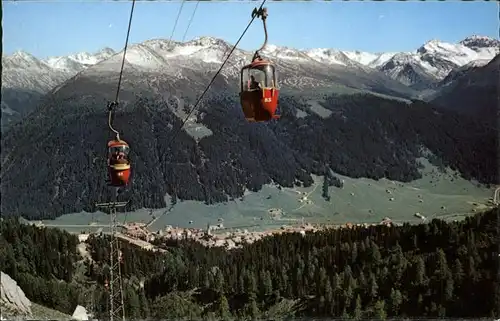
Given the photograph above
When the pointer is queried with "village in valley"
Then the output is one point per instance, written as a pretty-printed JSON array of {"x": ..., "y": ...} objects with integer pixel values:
[
  {"x": 218, "y": 235},
  {"x": 213, "y": 235}
]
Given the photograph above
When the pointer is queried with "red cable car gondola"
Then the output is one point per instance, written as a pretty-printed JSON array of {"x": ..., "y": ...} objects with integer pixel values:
[
  {"x": 118, "y": 157},
  {"x": 118, "y": 163},
  {"x": 259, "y": 84}
]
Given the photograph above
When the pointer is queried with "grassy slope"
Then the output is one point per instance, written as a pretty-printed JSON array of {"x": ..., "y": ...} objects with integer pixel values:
[{"x": 437, "y": 194}]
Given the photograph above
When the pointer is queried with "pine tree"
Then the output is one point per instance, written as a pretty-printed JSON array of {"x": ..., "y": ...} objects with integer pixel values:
[
  {"x": 206, "y": 279},
  {"x": 379, "y": 310},
  {"x": 219, "y": 282},
  {"x": 373, "y": 287},
  {"x": 358, "y": 309},
  {"x": 250, "y": 283},
  {"x": 133, "y": 305},
  {"x": 144, "y": 304},
  {"x": 224, "y": 311},
  {"x": 472, "y": 272},
  {"x": 375, "y": 254},
  {"x": 241, "y": 281},
  {"x": 449, "y": 289},
  {"x": 267, "y": 283},
  {"x": 458, "y": 271},
  {"x": 396, "y": 300},
  {"x": 420, "y": 276},
  {"x": 320, "y": 281},
  {"x": 354, "y": 253},
  {"x": 328, "y": 298},
  {"x": 252, "y": 308},
  {"x": 324, "y": 193}
]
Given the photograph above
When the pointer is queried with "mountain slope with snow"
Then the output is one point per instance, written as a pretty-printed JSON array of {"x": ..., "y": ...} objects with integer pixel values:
[
  {"x": 433, "y": 61},
  {"x": 161, "y": 66},
  {"x": 25, "y": 78}
]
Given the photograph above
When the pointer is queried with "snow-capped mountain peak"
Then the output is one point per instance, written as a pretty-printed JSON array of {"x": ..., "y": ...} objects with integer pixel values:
[
  {"x": 75, "y": 63},
  {"x": 330, "y": 56},
  {"x": 444, "y": 49},
  {"x": 434, "y": 60},
  {"x": 207, "y": 41},
  {"x": 22, "y": 59},
  {"x": 21, "y": 54},
  {"x": 476, "y": 41},
  {"x": 23, "y": 70}
]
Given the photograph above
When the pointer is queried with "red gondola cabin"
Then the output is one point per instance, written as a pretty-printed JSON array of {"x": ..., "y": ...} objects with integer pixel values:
[
  {"x": 259, "y": 91},
  {"x": 118, "y": 163}
]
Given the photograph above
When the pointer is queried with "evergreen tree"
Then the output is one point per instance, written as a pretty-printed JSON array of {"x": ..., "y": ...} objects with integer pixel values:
[
  {"x": 379, "y": 310},
  {"x": 396, "y": 300},
  {"x": 133, "y": 306},
  {"x": 358, "y": 309},
  {"x": 144, "y": 304},
  {"x": 223, "y": 308}
]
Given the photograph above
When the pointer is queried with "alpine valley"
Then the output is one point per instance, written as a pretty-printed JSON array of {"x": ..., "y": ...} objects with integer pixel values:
[{"x": 348, "y": 114}]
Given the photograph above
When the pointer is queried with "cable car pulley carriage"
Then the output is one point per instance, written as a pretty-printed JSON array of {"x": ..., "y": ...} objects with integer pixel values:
[{"x": 259, "y": 84}]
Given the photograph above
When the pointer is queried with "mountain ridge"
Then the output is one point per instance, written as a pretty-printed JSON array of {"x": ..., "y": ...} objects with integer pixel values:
[
  {"x": 26, "y": 78},
  {"x": 469, "y": 49}
]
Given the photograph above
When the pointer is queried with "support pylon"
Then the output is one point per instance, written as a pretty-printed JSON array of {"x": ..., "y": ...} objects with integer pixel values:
[{"x": 116, "y": 305}]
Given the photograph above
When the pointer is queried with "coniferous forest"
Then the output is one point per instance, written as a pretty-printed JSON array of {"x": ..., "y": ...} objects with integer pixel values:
[
  {"x": 365, "y": 136},
  {"x": 439, "y": 269}
]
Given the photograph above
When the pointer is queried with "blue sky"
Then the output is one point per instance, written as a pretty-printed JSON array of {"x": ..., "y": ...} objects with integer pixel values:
[{"x": 60, "y": 28}]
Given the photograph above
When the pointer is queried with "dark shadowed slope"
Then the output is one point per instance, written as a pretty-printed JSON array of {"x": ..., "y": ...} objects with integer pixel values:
[
  {"x": 474, "y": 93},
  {"x": 17, "y": 103}
]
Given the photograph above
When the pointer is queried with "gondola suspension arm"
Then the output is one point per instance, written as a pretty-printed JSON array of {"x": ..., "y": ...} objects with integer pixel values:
[
  {"x": 111, "y": 106},
  {"x": 261, "y": 13}
]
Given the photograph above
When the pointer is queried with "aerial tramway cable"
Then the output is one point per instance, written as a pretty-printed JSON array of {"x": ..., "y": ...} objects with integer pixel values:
[
  {"x": 176, "y": 21},
  {"x": 115, "y": 102},
  {"x": 213, "y": 78},
  {"x": 190, "y": 21}
]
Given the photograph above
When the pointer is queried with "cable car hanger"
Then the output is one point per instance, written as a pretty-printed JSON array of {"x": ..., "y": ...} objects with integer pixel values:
[
  {"x": 261, "y": 13},
  {"x": 111, "y": 106}
]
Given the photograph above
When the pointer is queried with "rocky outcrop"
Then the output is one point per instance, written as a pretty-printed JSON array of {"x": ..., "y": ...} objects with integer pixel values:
[
  {"x": 13, "y": 300},
  {"x": 80, "y": 314}
]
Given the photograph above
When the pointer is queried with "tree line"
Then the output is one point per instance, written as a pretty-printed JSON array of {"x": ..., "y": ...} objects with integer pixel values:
[{"x": 439, "y": 269}]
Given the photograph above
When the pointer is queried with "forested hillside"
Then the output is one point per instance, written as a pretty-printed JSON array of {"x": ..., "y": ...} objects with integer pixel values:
[
  {"x": 474, "y": 93},
  {"x": 430, "y": 270},
  {"x": 42, "y": 261},
  {"x": 359, "y": 136}
]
